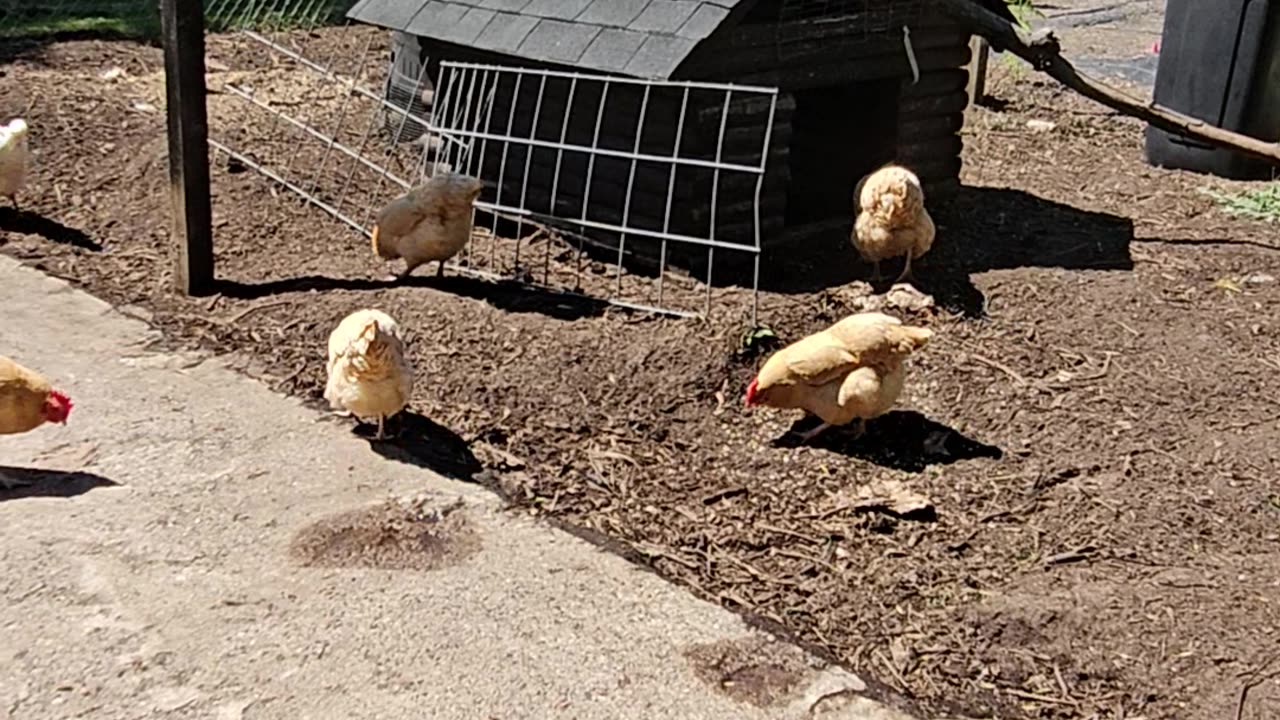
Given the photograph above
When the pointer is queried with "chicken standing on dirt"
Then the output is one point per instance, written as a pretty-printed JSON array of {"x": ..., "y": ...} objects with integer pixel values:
[
  {"x": 369, "y": 376},
  {"x": 27, "y": 401},
  {"x": 13, "y": 159},
  {"x": 892, "y": 219},
  {"x": 853, "y": 370},
  {"x": 430, "y": 222}
]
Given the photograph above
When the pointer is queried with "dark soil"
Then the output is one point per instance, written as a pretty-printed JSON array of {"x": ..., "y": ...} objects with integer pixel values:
[{"x": 1095, "y": 424}]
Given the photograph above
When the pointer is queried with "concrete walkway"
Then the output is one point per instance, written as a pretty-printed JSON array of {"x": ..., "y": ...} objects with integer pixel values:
[{"x": 177, "y": 556}]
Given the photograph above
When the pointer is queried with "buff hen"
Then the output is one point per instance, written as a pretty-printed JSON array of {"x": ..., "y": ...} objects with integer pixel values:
[
  {"x": 853, "y": 370},
  {"x": 430, "y": 222},
  {"x": 27, "y": 401},
  {"x": 369, "y": 376},
  {"x": 892, "y": 219},
  {"x": 14, "y": 156}
]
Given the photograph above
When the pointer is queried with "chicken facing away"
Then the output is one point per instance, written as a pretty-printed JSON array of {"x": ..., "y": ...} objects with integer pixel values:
[
  {"x": 429, "y": 222},
  {"x": 853, "y": 370},
  {"x": 27, "y": 401},
  {"x": 892, "y": 220},
  {"x": 369, "y": 376},
  {"x": 13, "y": 159}
]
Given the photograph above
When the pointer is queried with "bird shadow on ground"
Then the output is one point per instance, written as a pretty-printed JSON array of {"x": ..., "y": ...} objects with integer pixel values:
[
  {"x": 506, "y": 295},
  {"x": 978, "y": 229},
  {"x": 29, "y": 223},
  {"x": 34, "y": 482},
  {"x": 420, "y": 441},
  {"x": 900, "y": 440}
]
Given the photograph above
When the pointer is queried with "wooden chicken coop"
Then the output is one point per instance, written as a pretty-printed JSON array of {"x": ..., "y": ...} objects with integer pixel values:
[{"x": 847, "y": 99}]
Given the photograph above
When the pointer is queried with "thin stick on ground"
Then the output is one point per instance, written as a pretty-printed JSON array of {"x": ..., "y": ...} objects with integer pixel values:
[{"x": 1045, "y": 54}]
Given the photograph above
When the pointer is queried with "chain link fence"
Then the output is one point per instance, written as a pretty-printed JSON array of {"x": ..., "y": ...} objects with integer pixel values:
[{"x": 140, "y": 19}]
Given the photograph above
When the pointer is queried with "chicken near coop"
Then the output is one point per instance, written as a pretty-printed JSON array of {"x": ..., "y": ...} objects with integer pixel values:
[
  {"x": 27, "y": 401},
  {"x": 892, "y": 220},
  {"x": 852, "y": 371},
  {"x": 431, "y": 222},
  {"x": 369, "y": 376},
  {"x": 14, "y": 157}
]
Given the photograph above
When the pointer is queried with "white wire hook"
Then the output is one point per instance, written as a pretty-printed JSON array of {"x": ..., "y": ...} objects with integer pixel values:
[{"x": 911, "y": 55}]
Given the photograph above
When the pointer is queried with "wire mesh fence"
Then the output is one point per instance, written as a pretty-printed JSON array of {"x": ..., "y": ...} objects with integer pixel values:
[
  {"x": 141, "y": 18},
  {"x": 630, "y": 191}
]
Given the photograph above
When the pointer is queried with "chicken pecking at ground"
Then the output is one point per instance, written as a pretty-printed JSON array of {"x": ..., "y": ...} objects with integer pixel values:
[
  {"x": 27, "y": 401},
  {"x": 369, "y": 376},
  {"x": 853, "y": 370},
  {"x": 13, "y": 159},
  {"x": 430, "y": 222},
  {"x": 892, "y": 219}
]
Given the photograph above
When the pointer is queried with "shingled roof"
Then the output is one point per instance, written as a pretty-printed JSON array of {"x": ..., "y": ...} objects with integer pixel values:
[{"x": 641, "y": 38}]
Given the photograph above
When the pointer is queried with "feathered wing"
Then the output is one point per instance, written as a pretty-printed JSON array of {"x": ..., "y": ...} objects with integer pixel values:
[{"x": 396, "y": 220}]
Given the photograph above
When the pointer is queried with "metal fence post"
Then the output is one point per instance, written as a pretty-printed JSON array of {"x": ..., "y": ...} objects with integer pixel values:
[{"x": 182, "y": 30}]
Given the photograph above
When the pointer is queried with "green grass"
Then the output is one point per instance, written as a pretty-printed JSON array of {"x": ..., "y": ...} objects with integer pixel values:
[
  {"x": 140, "y": 19},
  {"x": 128, "y": 18},
  {"x": 1260, "y": 204},
  {"x": 1023, "y": 11}
]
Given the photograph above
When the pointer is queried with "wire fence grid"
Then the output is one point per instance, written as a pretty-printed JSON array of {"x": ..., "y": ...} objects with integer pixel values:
[
  {"x": 141, "y": 18},
  {"x": 624, "y": 190}
]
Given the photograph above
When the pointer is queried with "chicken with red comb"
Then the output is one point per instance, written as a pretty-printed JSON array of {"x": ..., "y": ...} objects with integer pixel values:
[{"x": 27, "y": 401}]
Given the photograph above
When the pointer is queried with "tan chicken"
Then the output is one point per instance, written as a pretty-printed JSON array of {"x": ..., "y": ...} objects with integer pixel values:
[
  {"x": 13, "y": 159},
  {"x": 892, "y": 219},
  {"x": 429, "y": 222},
  {"x": 369, "y": 376},
  {"x": 27, "y": 401},
  {"x": 853, "y": 370}
]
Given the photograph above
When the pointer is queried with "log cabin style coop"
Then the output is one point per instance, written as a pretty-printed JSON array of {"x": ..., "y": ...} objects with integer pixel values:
[{"x": 847, "y": 101}]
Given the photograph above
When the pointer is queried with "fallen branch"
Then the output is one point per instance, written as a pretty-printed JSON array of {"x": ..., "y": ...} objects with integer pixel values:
[{"x": 1044, "y": 53}]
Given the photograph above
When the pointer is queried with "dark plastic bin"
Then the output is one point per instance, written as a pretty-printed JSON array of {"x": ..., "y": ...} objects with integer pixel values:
[{"x": 1218, "y": 63}]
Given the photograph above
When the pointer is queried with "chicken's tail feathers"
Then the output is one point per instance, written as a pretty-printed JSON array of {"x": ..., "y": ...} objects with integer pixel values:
[{"x": 382, "y": 247}]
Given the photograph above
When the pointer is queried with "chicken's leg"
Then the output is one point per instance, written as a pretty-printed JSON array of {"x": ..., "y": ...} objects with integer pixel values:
[
  {"x": 440, "y": 269},
  {"x": 859, "y": 428},
  {"x": 906, "y": 270},
  {"x": 808, "y": 435},
  {"x": 380, "y": 435}
]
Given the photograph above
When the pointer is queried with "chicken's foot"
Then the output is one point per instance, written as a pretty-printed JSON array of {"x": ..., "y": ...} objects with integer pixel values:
[{"x": 808, "y": 435}]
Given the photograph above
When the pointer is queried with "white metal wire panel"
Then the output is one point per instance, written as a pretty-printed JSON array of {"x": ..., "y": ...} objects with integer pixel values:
[{"x": 644, "y": 166}]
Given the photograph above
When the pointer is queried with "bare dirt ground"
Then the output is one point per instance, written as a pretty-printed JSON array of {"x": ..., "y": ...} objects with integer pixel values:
[{"x": 1095, "y": 424}]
